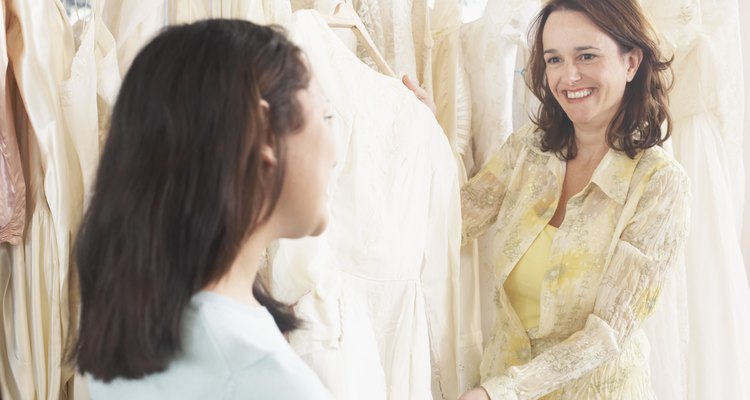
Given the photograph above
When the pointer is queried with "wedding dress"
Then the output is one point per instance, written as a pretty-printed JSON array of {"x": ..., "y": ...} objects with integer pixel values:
[
  {"x": 38, "y": 299},
  {"x": 707, "y": 109},
  {"x": 495, "y": 54},
  {"x": 13, "y": 189},
  {"x": 134, "y": 22}
]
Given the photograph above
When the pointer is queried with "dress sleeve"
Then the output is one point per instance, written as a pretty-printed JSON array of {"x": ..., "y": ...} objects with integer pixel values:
[
  {"x": 483, "y": 194},
  {"x": 644, "y": 254}
]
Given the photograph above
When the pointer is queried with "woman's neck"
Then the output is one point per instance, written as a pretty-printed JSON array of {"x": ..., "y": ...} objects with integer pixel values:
[
  {"x": 591, "y": 145},
  {"x": 237, "y": 283}
]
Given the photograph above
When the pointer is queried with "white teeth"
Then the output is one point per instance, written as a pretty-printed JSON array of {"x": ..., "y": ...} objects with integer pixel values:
[{"x": 578, "y": 94}]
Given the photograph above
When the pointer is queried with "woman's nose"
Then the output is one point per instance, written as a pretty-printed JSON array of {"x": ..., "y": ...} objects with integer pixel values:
[{"x": 572, "y": 73}]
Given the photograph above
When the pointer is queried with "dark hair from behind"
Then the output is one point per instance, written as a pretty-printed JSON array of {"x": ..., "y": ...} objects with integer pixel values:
[
  {"x": 181, "y": 185},
  {"x": 637, "y": 123}
]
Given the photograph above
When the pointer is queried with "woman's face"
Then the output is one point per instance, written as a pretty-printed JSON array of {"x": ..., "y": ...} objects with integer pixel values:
[
  {"x": 310, "y": 159},
  {"x": 586, "y": 70}
]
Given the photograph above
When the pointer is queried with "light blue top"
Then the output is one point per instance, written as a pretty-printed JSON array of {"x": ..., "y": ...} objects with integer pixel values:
[{"x": 229, "y": 351}]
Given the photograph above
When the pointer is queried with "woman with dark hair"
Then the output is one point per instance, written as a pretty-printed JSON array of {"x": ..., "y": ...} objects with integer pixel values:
[
  {"x": 218, "y": 145},
  {"x": 591, "y": 211}
]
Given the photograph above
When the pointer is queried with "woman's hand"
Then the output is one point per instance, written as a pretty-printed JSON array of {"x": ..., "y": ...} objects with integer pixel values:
[
  {"x": 421, "y": 94},
  {"x": 475, "y": 394}
]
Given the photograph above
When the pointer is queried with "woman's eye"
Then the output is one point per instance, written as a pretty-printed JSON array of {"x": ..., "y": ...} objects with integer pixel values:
[
  {"x": 588, "y": 57},
  {"x": 553, "y": 60}
]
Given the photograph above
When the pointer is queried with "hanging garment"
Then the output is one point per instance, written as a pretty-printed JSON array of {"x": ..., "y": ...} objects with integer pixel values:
[
  {"x": 719, "y": 298},
  {"x": 88, "y": 95},
  {"x": 720, "y": 22},
  {"x": 134, "y": 23},
  {"x": 706, "y": 106},
  {"x": 450, "y": 92},
  {"x": 424, "y": 42},
  {"x": 327, "y": 7},
  {"x": 39, "y": 297},
  {"x": 495, "y": 54},
  {"x": 277, "y": 11},
  {"x": 744, "y": 18},
  {"x": 718, "y": 353},
  {"x": 607, "y": 265},
  {"x": 87, "y": 98},
  {"x": 12, "y": 186},
  {"x": 400, "y": 29},
  {"x": 450, "y": 85},
  {"x": 388, "y": 260}
]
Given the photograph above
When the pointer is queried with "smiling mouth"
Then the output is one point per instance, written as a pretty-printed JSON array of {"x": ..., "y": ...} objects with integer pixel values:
[{"x": 578, "y": 94}]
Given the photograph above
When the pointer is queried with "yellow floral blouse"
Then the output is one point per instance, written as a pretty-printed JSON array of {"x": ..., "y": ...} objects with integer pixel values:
[{"x": 607, "y": 264}]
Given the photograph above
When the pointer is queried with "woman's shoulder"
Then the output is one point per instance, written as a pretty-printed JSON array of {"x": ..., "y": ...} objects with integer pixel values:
[
  {"x": 242, "y": 333},
  {"x": 657, "y": 162},
  {"x": 528, "y": 135}
]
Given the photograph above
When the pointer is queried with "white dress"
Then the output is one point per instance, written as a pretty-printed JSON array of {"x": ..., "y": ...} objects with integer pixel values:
[
  {"x": 719, "y": 298},
  {"x": 707, "y": 113},
  {"x": 380, "y": 287},
  {"x": 401, "y": 31},
  {"x": 495, "y": 55},
  {"x": 12, "y": 185},
  {"x": 134, "y": 22},
  {"x": 450, "y": 83},
  {"x": 423, "y": 40},
  {"x": 88, "y": 95},
  {"x": 38, "y": 299}
]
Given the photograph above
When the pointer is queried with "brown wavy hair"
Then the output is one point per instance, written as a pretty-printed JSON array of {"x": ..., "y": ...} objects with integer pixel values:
[
  {"x": 181, "y": 185},
  {"x": 637, "y": 123}
]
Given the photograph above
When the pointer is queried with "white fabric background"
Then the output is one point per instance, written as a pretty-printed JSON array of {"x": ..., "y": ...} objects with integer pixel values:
[{"x": 745, "y": 37}]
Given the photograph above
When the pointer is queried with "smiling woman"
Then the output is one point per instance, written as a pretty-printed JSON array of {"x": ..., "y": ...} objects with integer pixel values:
[
  {"x": 595, "y": 49},
  {"x": 591, "y": 212}
]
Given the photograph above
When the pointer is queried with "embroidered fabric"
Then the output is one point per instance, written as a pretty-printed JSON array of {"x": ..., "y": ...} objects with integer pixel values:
[{"x": 608, "y": 262}]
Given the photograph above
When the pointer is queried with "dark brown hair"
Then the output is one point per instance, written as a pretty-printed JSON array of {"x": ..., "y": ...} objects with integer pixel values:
[
  {"x": 637, "y": 123},
  {"x": 181, "y": 185}
]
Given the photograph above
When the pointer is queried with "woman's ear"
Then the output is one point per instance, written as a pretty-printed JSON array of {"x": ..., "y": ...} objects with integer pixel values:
[
  {"x": 633, "y": 59},
  {"x": 268, "y": 148}
]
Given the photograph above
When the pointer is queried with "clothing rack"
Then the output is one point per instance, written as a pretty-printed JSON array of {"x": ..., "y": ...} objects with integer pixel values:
[{"x": 344, "y": 16}]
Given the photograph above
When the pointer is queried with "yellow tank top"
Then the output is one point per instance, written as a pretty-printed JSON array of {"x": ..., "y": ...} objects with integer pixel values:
[{"x": 524, "y": 285}]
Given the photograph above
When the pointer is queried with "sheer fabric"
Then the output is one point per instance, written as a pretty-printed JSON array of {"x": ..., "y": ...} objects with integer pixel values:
[
  {"x": 610, "y": 257},
  {"x": 707, "y": 110}
]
